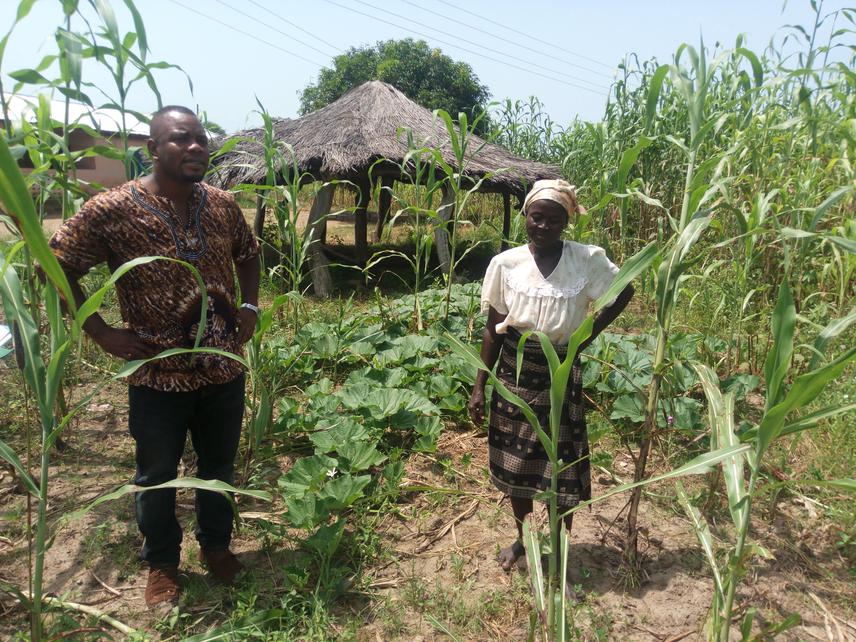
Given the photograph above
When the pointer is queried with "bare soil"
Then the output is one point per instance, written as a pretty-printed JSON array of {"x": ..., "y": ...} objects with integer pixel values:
[
  {"x": 438, "y": 568},
  {"x": 671, "y": 602}
]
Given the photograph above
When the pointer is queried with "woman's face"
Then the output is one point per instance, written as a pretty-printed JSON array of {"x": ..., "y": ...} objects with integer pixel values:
[{"x": 545, "y": 222}]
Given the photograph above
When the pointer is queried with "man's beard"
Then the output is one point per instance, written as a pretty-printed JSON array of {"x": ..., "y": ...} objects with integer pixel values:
[{"x": 182, "y": 177}]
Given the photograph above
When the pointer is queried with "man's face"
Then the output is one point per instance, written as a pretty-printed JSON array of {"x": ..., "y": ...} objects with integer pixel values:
[{"x": 179, "y": 147}]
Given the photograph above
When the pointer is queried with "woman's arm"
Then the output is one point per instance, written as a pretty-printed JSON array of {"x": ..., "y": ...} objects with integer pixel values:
[
  {"x": 608, "y": 315},
  {"x": 491, "y": 344}
]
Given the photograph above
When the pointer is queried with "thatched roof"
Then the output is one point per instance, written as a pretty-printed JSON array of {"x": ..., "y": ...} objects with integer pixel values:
[{"x": 344, "y": 139}]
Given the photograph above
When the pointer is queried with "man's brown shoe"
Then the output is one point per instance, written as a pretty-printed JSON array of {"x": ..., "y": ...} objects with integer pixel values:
[
  {"x": 162, "y": 587},
  {"x": 222, "y": 564}
]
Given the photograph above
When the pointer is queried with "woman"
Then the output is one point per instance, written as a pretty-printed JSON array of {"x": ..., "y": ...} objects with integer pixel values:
[{"x": 546, "y": 285}]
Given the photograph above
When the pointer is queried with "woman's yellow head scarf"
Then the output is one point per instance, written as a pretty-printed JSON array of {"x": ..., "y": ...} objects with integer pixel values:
[{"x": 558, "y": 191}]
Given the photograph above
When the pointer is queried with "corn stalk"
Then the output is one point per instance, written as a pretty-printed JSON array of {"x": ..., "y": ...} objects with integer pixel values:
[
  {"x": 701, "y": 183},
  {"x": 780, "y": 405},
  {"x": 426, "y": 184},
  {"x": 462, "y": 188}
]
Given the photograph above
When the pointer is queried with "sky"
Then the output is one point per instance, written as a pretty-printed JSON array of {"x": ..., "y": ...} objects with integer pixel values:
[{"x": 564, "y": 52}]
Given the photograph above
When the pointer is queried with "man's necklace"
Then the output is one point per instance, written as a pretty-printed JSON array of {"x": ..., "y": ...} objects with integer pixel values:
[
  {"x": 184, "y": 220},
  {"x": 181, "y": 248}
]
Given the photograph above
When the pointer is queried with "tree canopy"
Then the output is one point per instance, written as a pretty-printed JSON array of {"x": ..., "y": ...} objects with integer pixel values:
[{"x": 425, "y": 75}]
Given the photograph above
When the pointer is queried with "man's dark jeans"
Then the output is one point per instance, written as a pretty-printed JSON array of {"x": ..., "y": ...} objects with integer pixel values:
[{"x": 159, "y": 422}]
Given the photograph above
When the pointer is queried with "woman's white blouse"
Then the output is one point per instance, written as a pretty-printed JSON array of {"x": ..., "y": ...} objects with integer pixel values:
[{"x": 555, "y": 305}]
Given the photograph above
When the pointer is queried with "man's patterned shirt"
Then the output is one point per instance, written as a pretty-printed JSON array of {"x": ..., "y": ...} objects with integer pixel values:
[{"x": 161, "y": 300}]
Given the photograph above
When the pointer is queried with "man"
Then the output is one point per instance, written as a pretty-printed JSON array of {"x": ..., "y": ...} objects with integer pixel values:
[{"x": 172, "y": 213}]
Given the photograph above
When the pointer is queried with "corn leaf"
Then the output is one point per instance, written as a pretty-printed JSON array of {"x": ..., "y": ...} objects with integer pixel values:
[
  {"x": 721, "y": 416},
  {"x": 805, "y": 422},
  {"x": 12, "y": 459},
  {"x": 558, "y": 388},
  {"x": 16, "y": 310},
  {"x": 757, "y": 68},
  {"x": 654, "y": 87},
  {"x": 805, "y": 389},
  {"x": 451, "y": 130},
  {"x": 139, "y": 28},
  {"x": 55, "y": 370},
  {"x": 132, "y": 366},
  {"x": 560, "y": 374},
  {"x": 830, "y": 201},
  {"x": 844, "y": 484},
  {"x": 632, "y": 268},
  {"x": 108, "y": 17},
  {"x": 703, "y": 533},
  {"x": 779, "y": 357},
  {"x": 563, "y": 632},
  {"x": 849, "y": 245},
  {"x": 183, "y": 482},
  {"x": 673, "y": 266},
  {"x": 470, "y": 356},
  {"x": 19, "y": 206},
  {"x": 830, "y": 332},
  {"x": 24, "y": 8},
  {"x": 71, "y": 62},
  {"x": 94, "y": 302},
  {"x": 697, "y": 466},
  {"x": 536, "y": 571},
  {"x": 628, "y": 159}
]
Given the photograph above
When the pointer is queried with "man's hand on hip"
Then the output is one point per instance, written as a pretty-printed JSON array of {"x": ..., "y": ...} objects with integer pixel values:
[
  {"x": 246, "y": 325},
  {"x": 125, "y": 344}
]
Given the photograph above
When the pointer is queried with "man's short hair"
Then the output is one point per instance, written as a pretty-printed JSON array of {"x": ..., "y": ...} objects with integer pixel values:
[
  {"x": 163, "y": 111},
  {"x": 168, "y": 108}
]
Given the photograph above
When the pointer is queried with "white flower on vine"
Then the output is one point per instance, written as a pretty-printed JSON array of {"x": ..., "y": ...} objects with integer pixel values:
[{"x": 331, "y": 473}]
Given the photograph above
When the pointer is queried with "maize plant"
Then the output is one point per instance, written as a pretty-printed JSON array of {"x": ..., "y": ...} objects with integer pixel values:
[{"x": 777, "y": 421}]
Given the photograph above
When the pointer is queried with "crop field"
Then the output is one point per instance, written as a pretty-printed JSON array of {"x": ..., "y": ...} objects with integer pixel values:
[{"x": 720, "y": 403}]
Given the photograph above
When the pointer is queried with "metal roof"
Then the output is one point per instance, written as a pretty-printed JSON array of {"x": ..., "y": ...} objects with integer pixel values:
[{"x": 108, "y": 121}]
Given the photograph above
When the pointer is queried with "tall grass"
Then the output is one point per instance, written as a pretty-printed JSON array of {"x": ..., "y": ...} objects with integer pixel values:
[{"x": 781, "y": 127}]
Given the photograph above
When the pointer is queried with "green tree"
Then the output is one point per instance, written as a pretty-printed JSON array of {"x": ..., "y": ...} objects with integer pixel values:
[{"x": 425, "y": 75}]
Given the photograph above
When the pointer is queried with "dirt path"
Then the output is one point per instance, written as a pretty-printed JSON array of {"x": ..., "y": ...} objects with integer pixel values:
[
  {"x": 438, "y": 565},
  {"x": 445, "y": 566}
]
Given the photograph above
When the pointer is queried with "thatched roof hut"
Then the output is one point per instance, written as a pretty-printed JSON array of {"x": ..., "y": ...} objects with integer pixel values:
[{"x": 345, "y": 139}]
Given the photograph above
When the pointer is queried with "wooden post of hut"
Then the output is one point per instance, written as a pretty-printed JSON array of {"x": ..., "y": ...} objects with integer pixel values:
[
  {"x": 322, "y": 283},
  {"x": 384, "y": 202},
  {"x": 506, "y": 219},
  {"x": 361, "y": 244},
  {"x": 259, "y": 219},
  {"x": 441, "y": 230}
]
